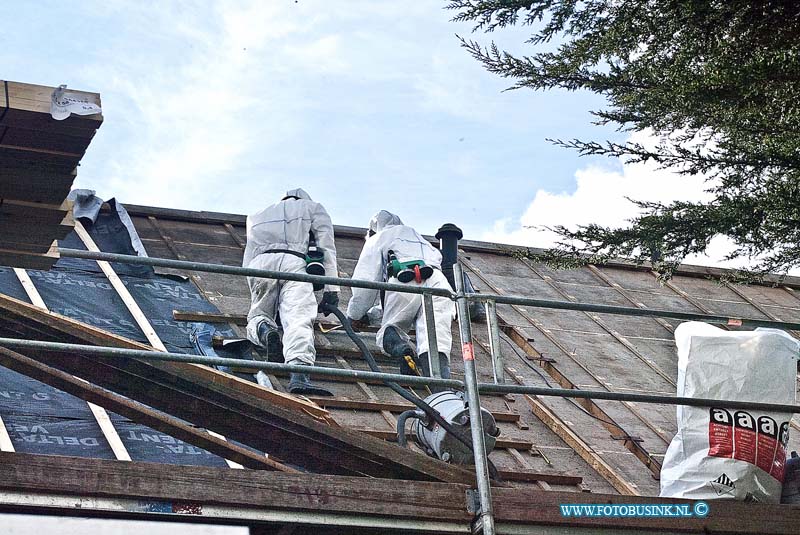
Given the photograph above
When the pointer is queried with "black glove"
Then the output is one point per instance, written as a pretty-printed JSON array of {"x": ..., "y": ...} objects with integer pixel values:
[
  {"x": 361, "y": 324},
  {"x": 330, "y": 299}
]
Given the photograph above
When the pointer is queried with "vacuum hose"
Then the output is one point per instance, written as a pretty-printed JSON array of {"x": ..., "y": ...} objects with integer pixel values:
[
  {"x": 401, "y": 425},
  {"x": 431, "y": 413}
]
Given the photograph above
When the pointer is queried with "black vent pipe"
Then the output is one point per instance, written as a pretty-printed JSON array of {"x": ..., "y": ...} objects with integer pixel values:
[{"x": 448, "y": 236}]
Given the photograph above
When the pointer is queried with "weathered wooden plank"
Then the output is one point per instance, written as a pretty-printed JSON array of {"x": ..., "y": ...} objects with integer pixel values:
[
  {"x": 191, "y": 315},
  {"x": 21, "y": 158},
  {"x": 29, "y": 107},
  {"x": 29, "y": 260},
  {"x": 135, "y": 411},
  {"x": 62, "y": 327},
  {"x": 41, "y": 212},
  {"x": 584, "y": 450},
  {"x": 397, "y": 407},
  {"x": 181, "y": 391},
  {"x": 42, "y": 139},
  {"x": 565, "y": 382},
  {"x": 235, "y": 488},
  {"x": 100, "y": 414},
  {"x": 521, "y": 507},
  {"x": 500, "y": 444}
]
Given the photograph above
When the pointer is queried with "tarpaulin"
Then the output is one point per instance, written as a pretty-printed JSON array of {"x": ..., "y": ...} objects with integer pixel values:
[{"x": 41, "y": 419}]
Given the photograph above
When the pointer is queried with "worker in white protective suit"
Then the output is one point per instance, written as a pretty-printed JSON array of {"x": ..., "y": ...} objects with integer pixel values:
[
  {"x": 282, "y": 238},
  {"x": 398, "y": 254}
]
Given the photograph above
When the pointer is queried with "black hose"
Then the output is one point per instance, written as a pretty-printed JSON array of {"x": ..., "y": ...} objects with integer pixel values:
[
  {"x": 424, "y": 407},
  {"x": 401, "y": 425}
]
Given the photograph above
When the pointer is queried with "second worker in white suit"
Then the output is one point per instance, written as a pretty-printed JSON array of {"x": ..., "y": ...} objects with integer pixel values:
[{"x": 397, "y": 253}]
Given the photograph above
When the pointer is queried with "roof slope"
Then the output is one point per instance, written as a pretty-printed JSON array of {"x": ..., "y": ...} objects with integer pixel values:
[{"x": 613, "y": 446}]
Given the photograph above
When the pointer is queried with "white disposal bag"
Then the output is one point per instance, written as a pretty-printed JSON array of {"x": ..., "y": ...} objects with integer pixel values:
[{"x": 724, "y": 453}]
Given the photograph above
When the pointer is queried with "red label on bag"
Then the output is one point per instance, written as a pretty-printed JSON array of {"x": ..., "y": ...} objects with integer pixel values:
[
  {"x": 744, "y": 437},
  {"x": 761, "y": 442},
  {"x": 468, "y": 352},
  {"x": 779, "y": 465},
  {"x": 720, "y": 433},
  {"x": 766, "y": 443}
]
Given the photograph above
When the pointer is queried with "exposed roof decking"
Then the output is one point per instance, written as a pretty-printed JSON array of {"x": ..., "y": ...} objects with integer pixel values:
[{"x": 592, "y": 350}]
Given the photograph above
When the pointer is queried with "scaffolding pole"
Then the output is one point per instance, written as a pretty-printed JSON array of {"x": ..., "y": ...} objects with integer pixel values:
[
  {"x": 488, "y": 388},
  {"x": 442, "y": 292},
  {"x": 486, "y": 514}
]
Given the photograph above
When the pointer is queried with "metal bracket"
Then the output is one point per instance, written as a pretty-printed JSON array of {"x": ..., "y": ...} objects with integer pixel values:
[
  {"x": 473, "y": 501},
  {"x": 628, "y": 437}
]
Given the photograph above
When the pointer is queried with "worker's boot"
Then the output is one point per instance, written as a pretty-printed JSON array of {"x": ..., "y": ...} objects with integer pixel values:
[
  {"x": 444, "y": 369},
  {"x": 300, "y": 383},
  {"x": 394, "y": 344},
  {"x": 444, "y": 365},
  {"x": 270, "y": 338}
]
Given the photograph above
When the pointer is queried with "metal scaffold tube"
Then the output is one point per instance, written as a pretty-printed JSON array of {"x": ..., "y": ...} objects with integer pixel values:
[
  {"x": 488, "y": 388},
  {"x": 486, "y": 516},
  {"x": 430, "y": 328},
  {"x": 494, "y": 342},
  {"x": 251, "y": 272},
  {"x": 443, "y": 292}
]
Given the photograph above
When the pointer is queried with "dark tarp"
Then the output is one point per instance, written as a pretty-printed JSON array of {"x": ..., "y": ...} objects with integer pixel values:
[{"x": 41, "y": 419}]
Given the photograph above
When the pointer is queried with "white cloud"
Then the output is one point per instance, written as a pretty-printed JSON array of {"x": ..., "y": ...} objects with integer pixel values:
[
  {"x": 202, "y": 97},
  {"x": 601, "y": 196}
]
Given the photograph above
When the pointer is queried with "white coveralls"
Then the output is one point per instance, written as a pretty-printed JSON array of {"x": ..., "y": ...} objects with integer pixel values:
[
  {"x": 402, "y": 310},
  {"x": 286, "y": 225}
]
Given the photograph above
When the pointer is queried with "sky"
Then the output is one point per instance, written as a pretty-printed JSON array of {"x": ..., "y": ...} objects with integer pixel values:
[{"x": 222, "y": 105}]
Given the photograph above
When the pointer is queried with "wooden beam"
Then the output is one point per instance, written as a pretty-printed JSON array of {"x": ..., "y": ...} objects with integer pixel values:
[
  {"x": 28, "y": 259},
  {"x": 396, "y": 407},
  {"x": 135, "y": 411},
  {"x": 529, "y": 476},
  {"x": 234, "y": 488},
  {"x": 584, "y": 450},
  {"x": 80, "y": 332},
  {"x": 210, "y": 317},
  {"x": 500, "y": 444},
  {"x": 221, "y": 406},
  {"x": 130, "y": 303},
  {"x": 593, "y": 408},
  {"x": 99, "y": 413},
  {"x": 365, "y": 500}
]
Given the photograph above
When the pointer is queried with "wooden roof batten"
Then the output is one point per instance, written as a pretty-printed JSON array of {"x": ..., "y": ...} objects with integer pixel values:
[{"x": 214, "y": 400}]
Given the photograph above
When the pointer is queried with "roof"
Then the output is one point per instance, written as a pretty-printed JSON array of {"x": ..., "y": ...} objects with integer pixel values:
[
  {"x": 564, "y": 348},
  {"x": 547, "y": 444}
]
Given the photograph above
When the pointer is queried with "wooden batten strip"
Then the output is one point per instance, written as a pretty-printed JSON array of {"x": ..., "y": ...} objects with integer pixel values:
[
  {"x": 100, "y": 414},
  {"x": 122, "y": 291},
  {"x": 603, "y": 417},
  {"x": 131, "y": 305}
]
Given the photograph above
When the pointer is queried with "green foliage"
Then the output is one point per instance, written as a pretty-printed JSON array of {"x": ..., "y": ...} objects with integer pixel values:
[{"x": 716, "y": 81}]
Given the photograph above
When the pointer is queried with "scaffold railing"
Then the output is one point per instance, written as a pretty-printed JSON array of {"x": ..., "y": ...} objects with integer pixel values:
[{"x": 470, "y": 385}]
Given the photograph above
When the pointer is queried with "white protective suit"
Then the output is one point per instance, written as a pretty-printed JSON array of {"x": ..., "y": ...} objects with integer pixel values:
[
  {"x": 286, "y": 225},
  {"x": 401, "y": 309}
]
